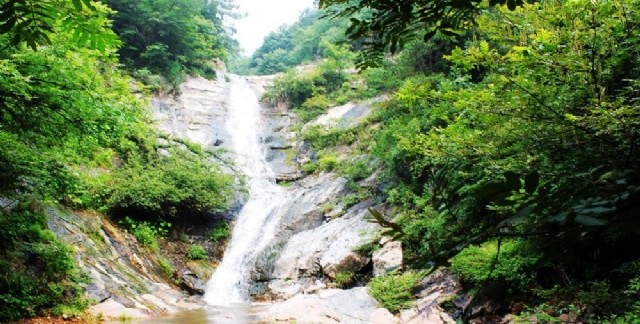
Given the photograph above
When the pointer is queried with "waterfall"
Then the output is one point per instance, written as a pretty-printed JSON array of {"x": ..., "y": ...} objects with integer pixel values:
[{"x": 257, "y": 221}]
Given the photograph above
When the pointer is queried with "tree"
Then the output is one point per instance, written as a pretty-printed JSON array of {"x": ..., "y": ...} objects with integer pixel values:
[
  {"x": 33, "y": 21},
  {"x": 389, "y": 24},
  {"x": 297, "y": 43}
]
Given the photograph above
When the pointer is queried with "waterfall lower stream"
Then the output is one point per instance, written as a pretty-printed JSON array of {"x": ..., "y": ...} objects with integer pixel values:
[{"x": 257, "y": 221}]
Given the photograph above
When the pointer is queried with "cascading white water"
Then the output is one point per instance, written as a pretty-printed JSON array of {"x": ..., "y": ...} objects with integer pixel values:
[{"x": 256, "y": 222}]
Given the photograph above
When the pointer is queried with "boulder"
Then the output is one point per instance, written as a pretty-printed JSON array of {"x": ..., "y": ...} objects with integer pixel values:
[
  {"x": 342, "y": 261},
  {"x": 435, "y": 290},
  {"x": 326, "y": 249},
  {"x": 192, "y": 283},
  {"x": 329, "y": 306},
  {"x": 113, "y": 309},
  {"x": 388, "y": 258}
]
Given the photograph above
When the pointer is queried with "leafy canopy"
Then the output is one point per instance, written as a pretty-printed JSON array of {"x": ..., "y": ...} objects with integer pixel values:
[
  {"x": 172, "y": 38},
  {"x": 389, "y": 24},
  {"x": 33, "y": 21}
]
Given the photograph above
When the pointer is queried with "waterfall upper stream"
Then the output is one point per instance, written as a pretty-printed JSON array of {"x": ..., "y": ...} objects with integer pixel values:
[{"x": 257, "y": 220}]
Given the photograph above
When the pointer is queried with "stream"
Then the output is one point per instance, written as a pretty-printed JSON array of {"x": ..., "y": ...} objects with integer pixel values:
[
  {"x": 227, "y": 296},
  {"x": 257, "y": 220}
]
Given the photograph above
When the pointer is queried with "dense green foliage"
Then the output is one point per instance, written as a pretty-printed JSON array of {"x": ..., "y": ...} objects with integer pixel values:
[
  {"x": 480, "y": 264},
  {"x": 389, "y": 25},
  {"x": 530, "y": 133},
  {"x": 36, "y": 271},
  {"x": 32, "y": 22},
  {"x": 220, "y": 232},
  {"x": 507, "y": 151},
  {"x": 180, "y": 185},
  {"x": 197, "y": 252},
  {"x": 310, "y": 92},
  {"x": 307, "y": 40},
  {"x": 74, "y": 132},
  {"x": 146, "y": 233},
  {"x": 393, "y": 291},
  {"x": 173, "y": 38},
  {"x": 61, "y": 106}
]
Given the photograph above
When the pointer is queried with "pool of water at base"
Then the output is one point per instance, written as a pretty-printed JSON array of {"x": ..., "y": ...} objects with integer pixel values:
[{"x": 232, "y": 314}]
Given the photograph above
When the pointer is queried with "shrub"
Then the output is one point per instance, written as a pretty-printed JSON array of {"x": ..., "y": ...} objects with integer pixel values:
[
  {"x": 320, "y": 138},
  {"x": 39, "y": 274},
  {"x": 292, "y": 88},
  {"x": 479, "y": 264},
  {"x": 166, "y": 267},
  {"x": 367, "y": 249},
  {"x": 146, "y": 232},
  {"x": 380, "y": 80},
  {"x": 357, "y": 170},
  {"x": 344, "y": 279},
  {"x": 393, "y": 291},
  {"x": 313, "y": 107},
  {"x": 349, "y": 200},
  {"x": 197, "y": 252},
  {"x": 182, "y": 184},
  {"x": 327, "y": 162},
  {"x": 220, "y": 232},
  {"x": 153, "y": 82}
]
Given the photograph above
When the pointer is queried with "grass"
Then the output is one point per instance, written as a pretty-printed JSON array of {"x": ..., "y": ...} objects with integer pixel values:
[{"x": 197, "y": 252}]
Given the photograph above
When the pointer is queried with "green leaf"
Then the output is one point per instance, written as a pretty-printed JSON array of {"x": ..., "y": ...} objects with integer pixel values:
[
  {"x": 393, "y": 228},
  {"x": 77, "y": 5}
]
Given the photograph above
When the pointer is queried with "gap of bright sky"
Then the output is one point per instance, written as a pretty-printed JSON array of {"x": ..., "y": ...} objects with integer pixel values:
[{"x": 263, "y": 17}]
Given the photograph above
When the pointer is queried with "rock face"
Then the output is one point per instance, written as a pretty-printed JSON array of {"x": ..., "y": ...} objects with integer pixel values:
[
  {"x": 124, "y": 281},
  {"x": 302, "y": 214},
  {"x": 193, "y": 283},
  {"x": 329, "y": 306},
  {"x": 198, "y": 114},
  {"x": 325, "y": 250},
  {"x": 317, "y": 236},
  {"x": 388, "y": 258},
  {"x": 347, "y": 115}
]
